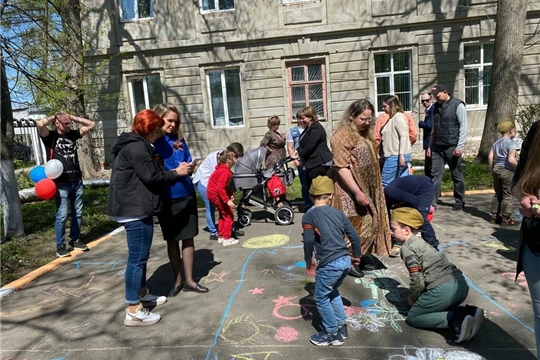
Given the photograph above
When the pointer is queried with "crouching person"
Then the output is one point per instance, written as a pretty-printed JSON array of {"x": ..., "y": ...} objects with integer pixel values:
[
  {"x": 437, "y": 286},
  {"x": 324, "y": 230}
]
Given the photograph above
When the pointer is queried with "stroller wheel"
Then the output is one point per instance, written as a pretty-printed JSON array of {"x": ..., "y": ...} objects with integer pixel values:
[
  {"x": 245, "y": 217},
  {"x": 284, "y": 215}
]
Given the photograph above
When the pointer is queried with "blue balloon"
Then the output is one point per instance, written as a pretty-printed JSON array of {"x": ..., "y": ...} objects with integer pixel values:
[{"x": 37, "y": 173}]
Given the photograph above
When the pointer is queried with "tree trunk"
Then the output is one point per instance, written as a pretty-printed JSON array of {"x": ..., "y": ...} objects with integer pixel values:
[
  {"x": 11, "y": 204},
  {"x": 70, "y": 13},
  {"x": 506, "y": 71}
]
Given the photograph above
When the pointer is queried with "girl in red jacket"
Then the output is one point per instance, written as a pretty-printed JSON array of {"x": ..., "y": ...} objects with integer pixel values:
[{"x": 220, "y": 194}]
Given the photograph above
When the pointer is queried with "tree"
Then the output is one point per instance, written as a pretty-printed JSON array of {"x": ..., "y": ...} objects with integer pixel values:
[{"x": 506, "y": 70}]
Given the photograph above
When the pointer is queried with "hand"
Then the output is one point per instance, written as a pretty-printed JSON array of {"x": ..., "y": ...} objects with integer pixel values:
[
  {"x": 458, "y": 152},
  {"x": 402, "y": 162},
  {"x": 526, "y": 206},
  {"x": 296, "y": 163},
  {"x": 355, "y": 260},
  {"x": 231, "y": 203},
  {"x": 184, "y": 168},
  {"x": 310, "y": 267},
  {"x": 428, "y": 152},
  {"x": 362, "y": 199}
]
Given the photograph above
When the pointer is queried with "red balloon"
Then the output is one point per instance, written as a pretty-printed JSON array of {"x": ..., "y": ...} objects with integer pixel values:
[{"x": 45, "y": 189}]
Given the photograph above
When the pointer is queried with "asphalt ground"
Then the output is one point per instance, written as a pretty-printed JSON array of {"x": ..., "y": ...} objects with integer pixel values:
[{"x": 260, "y": 302}]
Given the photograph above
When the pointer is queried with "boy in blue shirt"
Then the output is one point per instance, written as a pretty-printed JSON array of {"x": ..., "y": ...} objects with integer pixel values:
[{"x": 324, "y": 230}]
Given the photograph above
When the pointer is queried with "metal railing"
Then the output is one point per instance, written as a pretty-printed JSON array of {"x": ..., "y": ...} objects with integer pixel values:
[{"x": 27, "y": 144}]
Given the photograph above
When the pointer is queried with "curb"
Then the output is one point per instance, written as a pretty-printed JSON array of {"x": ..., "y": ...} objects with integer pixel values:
[
  {"x": 470, "y": 192},
  {"x": 33, "y": 275}
]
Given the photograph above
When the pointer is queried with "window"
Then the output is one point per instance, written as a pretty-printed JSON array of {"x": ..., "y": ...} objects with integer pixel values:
[
  {"x": 307, "y": 87},
  {"x": 144, "y": 92},
  {"x": 136, "y": 9},
  {"x": 225, "y": 97},
  {"x": 217, "y": 5},
  {"x": 478, "y": 60},
  {"x": 393, "y": 77}
]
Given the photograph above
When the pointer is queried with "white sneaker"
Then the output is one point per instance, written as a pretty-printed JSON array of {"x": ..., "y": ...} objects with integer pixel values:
[
  {"x": 220, "y": 240},
  {"x": 230, "y": 242},
  {"x": 142, "y": 317},
  {"x": 153, "y": 300}
]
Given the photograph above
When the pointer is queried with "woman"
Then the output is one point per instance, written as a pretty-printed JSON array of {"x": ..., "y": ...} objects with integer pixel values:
[
  {"x": 313, "y": 149},
  {"x": 137, "y": 181},
  {"x": 178, "y": 217},
  {"x": 293, "y": 139},
  {"x": 527, "y": 190},
  {"x": 274, "y": 142},
  {"x": 358, "y": 187},
  {"x": 395, "y": 146}
]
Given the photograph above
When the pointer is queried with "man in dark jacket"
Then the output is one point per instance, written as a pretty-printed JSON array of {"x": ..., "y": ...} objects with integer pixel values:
[
  {"x": 427, "y": 125},
  {"x": 447, "y": 142}
]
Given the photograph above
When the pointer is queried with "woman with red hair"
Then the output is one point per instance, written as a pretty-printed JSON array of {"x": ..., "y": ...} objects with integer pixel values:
[{"x": 137, "y": 182}]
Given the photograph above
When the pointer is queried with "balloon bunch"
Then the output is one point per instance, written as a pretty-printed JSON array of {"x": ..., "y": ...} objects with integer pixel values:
[{"x": 43, "y": 176}]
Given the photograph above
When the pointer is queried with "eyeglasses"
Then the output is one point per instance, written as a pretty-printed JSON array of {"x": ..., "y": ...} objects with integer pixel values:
[
  {"x": 365, "y": 120},
  {"x": 425, "y": 100}
]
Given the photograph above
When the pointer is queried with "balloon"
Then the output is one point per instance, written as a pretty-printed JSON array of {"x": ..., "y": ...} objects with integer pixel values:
[
  {"x": 53, "y": 168},
  {"x": 45, "y": 189},
  {"x": 37, "y": 173}
]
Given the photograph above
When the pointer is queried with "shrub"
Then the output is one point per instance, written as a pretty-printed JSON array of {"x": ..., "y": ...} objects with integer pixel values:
[{"x": 525, "y": 117}]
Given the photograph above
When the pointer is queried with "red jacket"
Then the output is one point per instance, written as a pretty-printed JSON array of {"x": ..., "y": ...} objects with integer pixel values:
[{"x": 218, "y": 184}]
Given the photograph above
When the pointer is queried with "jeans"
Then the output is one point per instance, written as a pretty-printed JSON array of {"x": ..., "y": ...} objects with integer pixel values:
[
  {"x": 210, "y": 212},
  {"x": 329, "y": 304},
  {"x": 391, "y": 169},
  {"x": 139, "y": 234},
  {"x": 531, "y": 267},
  {"x": 427, "y": 231},
  {"x": 430, "y": 311},
  {"x": 302, "y": 174},
  {"x": 502, "y": 202},
  {"x": 68, "y": 193},
  {"x": 440, "y": 156}
]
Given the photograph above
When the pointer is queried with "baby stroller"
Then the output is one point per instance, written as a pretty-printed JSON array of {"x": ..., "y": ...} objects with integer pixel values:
[{"x": 254, "y": 182}]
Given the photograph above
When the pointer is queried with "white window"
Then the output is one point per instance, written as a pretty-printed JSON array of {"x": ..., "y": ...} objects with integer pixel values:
[
  {"x": 225, "y": 96},
  {"x": 217, "y": 5},
  {"x": 478, "y": 61},
  {"x": 144, "y": 92},
  {"x": 136, "y": 9},
  {"x": 306, "y": 85},
  {"x": 393, "y": 77}
]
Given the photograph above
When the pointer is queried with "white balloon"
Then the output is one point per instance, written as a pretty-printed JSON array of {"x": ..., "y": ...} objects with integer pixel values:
[{"x": 53, "y": 169}]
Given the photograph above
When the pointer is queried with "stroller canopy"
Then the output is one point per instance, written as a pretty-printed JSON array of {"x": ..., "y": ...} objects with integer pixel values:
[{"x": 251, "y": 161}]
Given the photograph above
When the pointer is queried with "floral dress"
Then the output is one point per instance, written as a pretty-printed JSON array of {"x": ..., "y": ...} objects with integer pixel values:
[{"x": 276, "y": 143}]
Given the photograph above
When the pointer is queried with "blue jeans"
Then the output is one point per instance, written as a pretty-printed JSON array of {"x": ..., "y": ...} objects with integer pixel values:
[
  {"x": 210, "y": 212},
  {"x": 329, "y": 304},
  {"x": 302, "y": 175},
  {"x": 139, "y": 235},
  {"x": 531, "y": 267},
  {"x": 391, "y": 169},
  {"x": 69, "y": 193}
]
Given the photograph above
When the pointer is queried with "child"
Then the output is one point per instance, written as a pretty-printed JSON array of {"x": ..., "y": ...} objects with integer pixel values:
[
  {"x": 502, "y": 163},
  {"x": 220, "y": 194},
  {"x": 437, "y": 286},
  {"x": 324, "y": 230}
]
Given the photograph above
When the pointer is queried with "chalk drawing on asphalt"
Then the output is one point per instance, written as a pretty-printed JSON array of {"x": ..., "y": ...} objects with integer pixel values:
[
  {"x": 261, "y": 355},
  {"x": 521, "y": 280},
  {"x": 212, "y": 276},
  {"x": 57, "y": 294},
  {"x": 286, "y": 334},
  {"x": 266, "y": 241},
  {"x": 267, "y": 272},
  {"x": 285, "y": 302},
  {"x": 414, "y": 353},
  {"x": 256, "y": 291},
  {"x": 365, "y": 320},
  {"x": 241, "y": 330}
]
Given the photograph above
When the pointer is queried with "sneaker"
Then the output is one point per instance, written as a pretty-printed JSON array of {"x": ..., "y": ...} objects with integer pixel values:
[
  {"x": 396, "y": 251},
  {"x": 214, "y": 237},
  {"x": 78, "y": 244},
  {"x": 153, "y": 300},
  {"x": 237, "y": 233},
  {"x": 461, "y": 324},
  {"x": 142, "y": 317},
  {"x": 458, "y": 207},
  {"x": 220, "y": 240},
  {"x": 478, "y": 316},
  {"x": 230, "y": 242},
  {"x": 343, "y": 331},
  {"x": 324, "y": 339},
  {"x": 62, "y": 252}
]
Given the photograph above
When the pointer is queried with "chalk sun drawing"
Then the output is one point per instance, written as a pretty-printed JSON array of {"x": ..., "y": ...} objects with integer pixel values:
[
  {"x": 285, "y": 301},
  {"x": 286, "y": 334},
  {"x": 234, "y": 331},
  {"x": 414, "y": 353},
  {"x": 266, "y": 241}
]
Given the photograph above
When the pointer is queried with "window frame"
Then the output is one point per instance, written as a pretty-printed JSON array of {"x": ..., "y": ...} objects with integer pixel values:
[
  {"x": 391, "y": 75},
  {"x": 480, "y": 67},
  {"x": 131, "y": 99},
  {"x": 290, "y": 84},
  {"x": 217, "y": 10},
  {"x": 224, "y": 95},
  {"x": 136, "y": 11}
]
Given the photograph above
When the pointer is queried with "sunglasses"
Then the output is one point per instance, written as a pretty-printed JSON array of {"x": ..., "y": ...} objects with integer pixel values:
[{"x": 424, "y": 100}]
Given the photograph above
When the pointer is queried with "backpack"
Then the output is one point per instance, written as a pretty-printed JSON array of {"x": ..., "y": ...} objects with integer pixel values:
[{"x": 275, "y": 187}]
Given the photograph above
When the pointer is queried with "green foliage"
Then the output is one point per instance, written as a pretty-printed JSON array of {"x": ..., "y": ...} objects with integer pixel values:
[
  {"x": 23, "y": 180},
  {"x": 525, "y": 117}
]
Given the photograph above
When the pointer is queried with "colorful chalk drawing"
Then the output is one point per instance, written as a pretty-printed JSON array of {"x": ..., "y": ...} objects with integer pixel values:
[
  {"x": 501, "y": 246},
  {"x": 233, "y": 330},
  {"x": 521, "y": 280},
  {"x": 365, "y": 320},
  {"x": 212, "y": 276},
  {"x": 57, "y": 294},
  {"x": 266, "y": 241},
  {"x": 286, "y": 334},
  {"x": 267, "y": 272},
  {"x": 261, "y": 355},
  {"x": 285, "y": 301},
  {"x": 414, "y": 353},
  {"x": 256, "y": 291}
]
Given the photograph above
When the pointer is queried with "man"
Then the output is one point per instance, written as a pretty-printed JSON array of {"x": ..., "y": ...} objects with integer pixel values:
[
  {"x": 447, "y": 142},
  {"x": 427, "y": 124},
  {"x": 61, "y": 144}
]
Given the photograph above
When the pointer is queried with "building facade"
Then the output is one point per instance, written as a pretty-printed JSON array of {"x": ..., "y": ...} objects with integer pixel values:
[{"x": 230, "y": 64}]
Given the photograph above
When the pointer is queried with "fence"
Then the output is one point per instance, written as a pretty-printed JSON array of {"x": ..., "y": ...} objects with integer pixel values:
[{"x": 27, "y": 145}]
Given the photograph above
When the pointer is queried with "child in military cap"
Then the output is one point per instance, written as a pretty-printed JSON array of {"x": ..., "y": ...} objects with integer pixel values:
[
  {"x": 324, "y": 230},
  {"x": 437, "y": 286}
]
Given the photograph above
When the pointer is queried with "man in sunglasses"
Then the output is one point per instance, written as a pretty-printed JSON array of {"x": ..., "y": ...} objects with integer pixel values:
[
  {"x": 61, "y": 144},
  {"x": 426, "y": 125}
]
